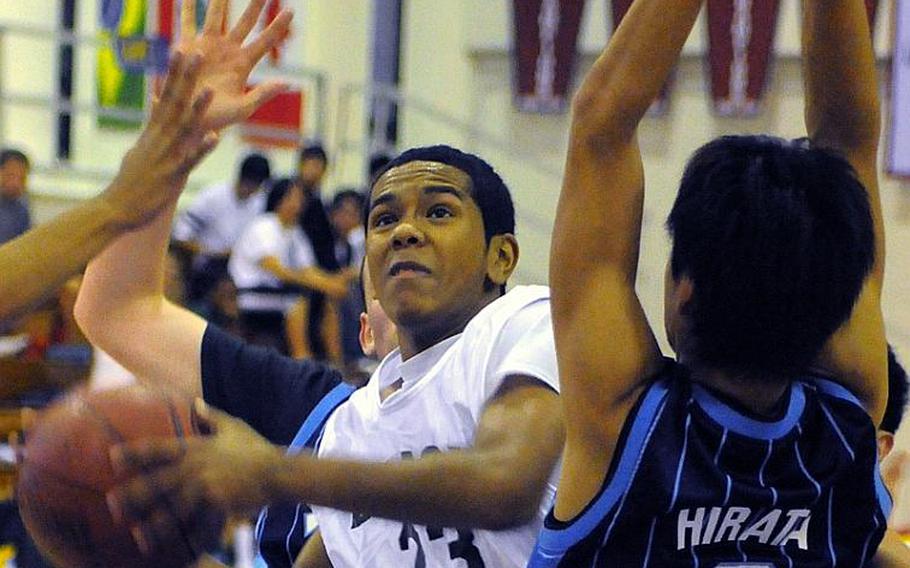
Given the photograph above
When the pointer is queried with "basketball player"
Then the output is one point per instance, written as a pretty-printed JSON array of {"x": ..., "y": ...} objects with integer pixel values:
[
  {"x": 476, "y": 375},
  {"x": 465, "y": 414},
  {"x": 757, "y": 446}
]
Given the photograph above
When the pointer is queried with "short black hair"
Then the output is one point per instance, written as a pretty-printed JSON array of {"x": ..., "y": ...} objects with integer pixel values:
[
  {"x": 314, "y": 151},
  {"x": 277, "y": 192},
  {"x": 255, "y": 169},
  {"x": 378, "y": 162},
  {"x": 488, "y": 189},
  {"x": 777, "y": 238},
  {"x": 897, "y": 394},
  {"x": 348, "y": 194},
  {"x": 8, "y": 154}
]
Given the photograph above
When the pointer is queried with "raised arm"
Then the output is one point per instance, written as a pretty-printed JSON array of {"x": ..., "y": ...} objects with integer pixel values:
[
  {"x": 151, "y": 175},
  {"x": 842, "y": 113},
  {"x": 605, "y": 346},
  {"x": 121, "y": 306}
]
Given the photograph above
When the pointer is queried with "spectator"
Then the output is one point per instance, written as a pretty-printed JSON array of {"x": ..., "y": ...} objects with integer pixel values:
[
  {"x": 314, "y": 221},
  {"x": 14, "y": 214},
  {"x": 209, "y": 228},
  {"x": 273, "y": 266},
  {"x": 346, "y": 215}
]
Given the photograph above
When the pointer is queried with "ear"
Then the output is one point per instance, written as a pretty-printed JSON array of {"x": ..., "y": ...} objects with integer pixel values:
[
  {"x": 885, "y": 443},
  {"x": 502, "y": 257},
  {"x": 367, "y": 341},
  {"x": 683, "y": 293}
]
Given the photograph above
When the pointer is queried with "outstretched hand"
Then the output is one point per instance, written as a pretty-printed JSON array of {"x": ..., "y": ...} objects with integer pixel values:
[
  {"x": 176, "y": 482},
  {"x": 226, "y": 63}
]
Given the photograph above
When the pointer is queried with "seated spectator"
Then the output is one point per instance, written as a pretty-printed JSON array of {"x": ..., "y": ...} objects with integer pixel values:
[
  {"x": 274, "y": 267},
  {"x": 346, "y": 216},
  {"x": 14, "y": 214},
  {"x": 209, "y": 227}
]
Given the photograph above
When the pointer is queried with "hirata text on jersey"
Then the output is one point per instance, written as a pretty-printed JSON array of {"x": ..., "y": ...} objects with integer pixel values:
[{"x": 728, "y": 524}]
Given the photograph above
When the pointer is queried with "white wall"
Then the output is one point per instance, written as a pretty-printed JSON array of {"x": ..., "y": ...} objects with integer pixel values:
[{"x": 455, "y": 66}]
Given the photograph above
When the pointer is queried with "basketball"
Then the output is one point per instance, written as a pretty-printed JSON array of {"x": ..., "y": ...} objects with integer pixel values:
[{"x": 66, "y": 473}]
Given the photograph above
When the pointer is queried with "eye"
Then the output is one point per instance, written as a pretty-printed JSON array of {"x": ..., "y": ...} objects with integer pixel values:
[
  {"x": 439, "y": 212},
  {"x": 383, "y": 219}
]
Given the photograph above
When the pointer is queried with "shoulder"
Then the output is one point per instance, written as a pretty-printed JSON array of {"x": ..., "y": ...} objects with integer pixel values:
[{"x": 517, "y": 302}]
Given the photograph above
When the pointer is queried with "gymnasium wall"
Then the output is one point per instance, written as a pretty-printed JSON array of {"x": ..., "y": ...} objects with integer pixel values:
[{"x": 455, "y": 62}]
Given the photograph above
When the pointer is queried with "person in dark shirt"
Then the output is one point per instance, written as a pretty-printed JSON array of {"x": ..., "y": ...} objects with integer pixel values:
[
  {"x": 14, "y": 214},
  {"x": 756, "y": 447}
]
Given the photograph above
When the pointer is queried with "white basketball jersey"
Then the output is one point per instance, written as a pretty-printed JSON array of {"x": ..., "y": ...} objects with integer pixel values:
[{"x": 445, "y": 389}]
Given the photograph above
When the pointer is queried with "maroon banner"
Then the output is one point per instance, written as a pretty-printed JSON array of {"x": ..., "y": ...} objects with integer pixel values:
[
  {"x": 661, "y": 104},
  {"x": 740, "y": 44},
  {"x": 545, "y": 35}
]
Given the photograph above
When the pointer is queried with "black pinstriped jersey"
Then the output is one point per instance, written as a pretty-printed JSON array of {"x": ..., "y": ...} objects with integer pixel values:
[{"x": 696, "y": 482}]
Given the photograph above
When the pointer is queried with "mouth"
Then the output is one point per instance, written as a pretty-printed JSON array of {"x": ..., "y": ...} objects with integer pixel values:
[{"x": 408, "y": 269}]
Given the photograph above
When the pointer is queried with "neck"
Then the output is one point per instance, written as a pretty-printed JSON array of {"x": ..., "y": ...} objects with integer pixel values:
[
  {"x": 420, "y": 336},
  {"x": 760, "y": 395},
  {"x": 286, "y": 222}
]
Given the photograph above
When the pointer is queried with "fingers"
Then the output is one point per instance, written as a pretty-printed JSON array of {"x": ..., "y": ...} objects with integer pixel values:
[
  {"x": 247, "y": 21},
  {"x": 146, "y": 455},
  {"x": 270, "y": 37},
  {"x": 214, "y": 17},
  {"x": 261, "y": 94},
  {"x": 188, "y": 19},
  {"x": 177, "y": 89}
]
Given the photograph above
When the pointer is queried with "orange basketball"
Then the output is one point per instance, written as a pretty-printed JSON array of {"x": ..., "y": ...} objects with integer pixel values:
[{"x": 66, "y": 473}]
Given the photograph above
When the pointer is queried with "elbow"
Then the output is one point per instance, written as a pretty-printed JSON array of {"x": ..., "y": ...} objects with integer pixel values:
[
  {"x": 515, "y": 502},
  {"x": 600, "y": 120},
  {"x": 85, "y": 317}
]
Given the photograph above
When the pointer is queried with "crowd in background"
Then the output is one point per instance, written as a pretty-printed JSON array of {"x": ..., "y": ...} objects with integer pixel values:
[{"x": 269, "y": 257}]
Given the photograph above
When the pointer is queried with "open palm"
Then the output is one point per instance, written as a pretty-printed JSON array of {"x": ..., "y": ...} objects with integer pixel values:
[{"x": 225, "y": 62}]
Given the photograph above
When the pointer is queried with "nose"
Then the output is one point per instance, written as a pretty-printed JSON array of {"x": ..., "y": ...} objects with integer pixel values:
[{"x": 407, "y": 235}]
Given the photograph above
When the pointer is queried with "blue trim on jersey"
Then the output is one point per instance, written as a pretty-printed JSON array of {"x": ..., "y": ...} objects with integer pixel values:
[
  {"x": 312, "y": 427},
  {"x": 553, "y": 543},
  {"x": 836, "y": 390},
  {"x": 749, "y": 427},
  {"x": 319, "y": 415}
]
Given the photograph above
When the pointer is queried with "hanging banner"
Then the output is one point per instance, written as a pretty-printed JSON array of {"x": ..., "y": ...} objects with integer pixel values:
[
  {"x": 117, "y": 86},
  {"x": 899, "y": 151},
  {"x": 661, "y": 105},
  {"x": 740, "y": 44},
  {"x": 545, "y": 33}
]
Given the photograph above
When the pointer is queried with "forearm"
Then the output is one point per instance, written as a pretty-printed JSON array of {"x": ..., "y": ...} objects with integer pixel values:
[
  {"x": 629, "y": 74},
  {"x": 129, "y": 272},
  {"x": 842, "y": 106},
  {"x": 453, "y": 489},
  {"x": 38, "y": 262}
]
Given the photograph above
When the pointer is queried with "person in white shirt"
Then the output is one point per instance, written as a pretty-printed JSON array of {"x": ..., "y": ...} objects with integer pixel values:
[
  {"x": 210, "y": 226},
  {"x": 459, "y": 428},
  {"x": 273, "y": 267}
]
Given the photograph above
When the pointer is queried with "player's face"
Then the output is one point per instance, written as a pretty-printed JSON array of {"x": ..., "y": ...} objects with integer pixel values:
[
  {"x": 13, "y": 178},
  {"x": 425, "y": 245}
]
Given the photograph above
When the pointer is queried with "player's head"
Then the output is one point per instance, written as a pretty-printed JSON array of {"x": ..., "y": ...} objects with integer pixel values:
[
  {"x": 285, "y": 199},
  {"x": 14, "y": 169},
  {"x": 378, "y": 335},
  {"x": 440, "y": 235},
  {"x": 254, "y": 171},
  {"x": 772, "y": 241},
  {"x": 312, "y": 164},
  {"x": 897, "y": 403}
]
